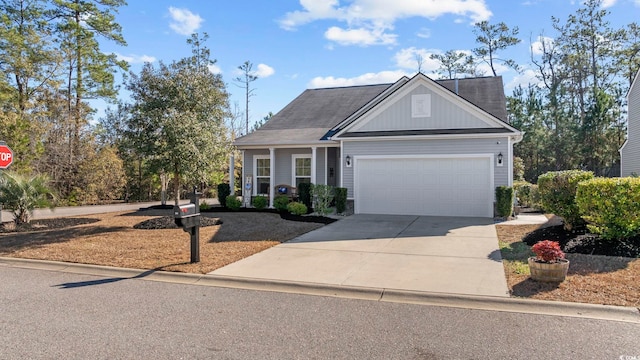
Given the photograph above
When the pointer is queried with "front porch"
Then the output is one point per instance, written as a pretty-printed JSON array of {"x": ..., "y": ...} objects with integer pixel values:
[{"x": 265, "y": 169}]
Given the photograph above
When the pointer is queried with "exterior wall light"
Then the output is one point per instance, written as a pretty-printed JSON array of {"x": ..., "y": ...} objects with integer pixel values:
[
  {"x": 500, "y": 163},
  {"x": 348, "y": 161}
]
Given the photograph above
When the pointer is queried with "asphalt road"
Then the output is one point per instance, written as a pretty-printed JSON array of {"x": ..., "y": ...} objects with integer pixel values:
[{"x": 58, "y": 315}]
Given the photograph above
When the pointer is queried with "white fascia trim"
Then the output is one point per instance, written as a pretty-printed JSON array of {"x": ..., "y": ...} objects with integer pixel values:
[
  {"x": 427, "y": 137},
  {"x": 288, "y": 146}
]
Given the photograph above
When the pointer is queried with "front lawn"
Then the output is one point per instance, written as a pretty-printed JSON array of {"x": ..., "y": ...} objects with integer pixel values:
[
  {"x": 596, "y": 279},
  {"x": 111, "y": 239}
]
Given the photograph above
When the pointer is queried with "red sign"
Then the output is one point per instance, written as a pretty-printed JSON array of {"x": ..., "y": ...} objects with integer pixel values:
[{"x": 6, "y": 156}]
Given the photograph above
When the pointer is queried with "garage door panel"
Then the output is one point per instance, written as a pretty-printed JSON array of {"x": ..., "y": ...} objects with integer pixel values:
[{"x": 424, "y": 186}]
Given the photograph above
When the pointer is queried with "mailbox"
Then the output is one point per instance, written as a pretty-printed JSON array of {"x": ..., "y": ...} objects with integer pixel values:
[
  {"x": 186, "y": 216},
  {"x": 180, "y": 211}
]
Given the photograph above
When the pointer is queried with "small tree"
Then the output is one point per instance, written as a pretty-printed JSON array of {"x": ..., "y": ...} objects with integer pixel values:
[{"x": 23, "y": 194}]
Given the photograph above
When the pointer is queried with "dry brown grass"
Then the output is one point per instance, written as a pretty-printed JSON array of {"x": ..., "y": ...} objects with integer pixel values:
[
  {"x": 113, "y": 241},
  {"x": 591, "y": 279}
]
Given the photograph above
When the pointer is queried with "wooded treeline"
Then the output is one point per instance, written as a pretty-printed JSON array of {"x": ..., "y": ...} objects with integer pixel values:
[
  {"x": 53, "y": 65},
  {"x": 176, "y": 126}
]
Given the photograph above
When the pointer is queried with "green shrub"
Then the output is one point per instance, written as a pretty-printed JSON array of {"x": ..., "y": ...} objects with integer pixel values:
[
  {"x": 259, "y": 202},
  {"x": 534, "y": 197},
  {"x": 280, "y": 202},
  {"x": 504, "y": 201},
  {"x": 232, "y": 202},
  {"x": 204, "y": 206},
  {"x": 304, "y": 192},
  {"x": 522, "y": 191},
  {"x": 611, "y": 207},
  {"x": 322, "y": 196},
  {"x": 224, "y": 190},
  {"x": 558, "y": 194},
  {"x": 341, "y": 199},
  {"x": 297, "y": 208}
]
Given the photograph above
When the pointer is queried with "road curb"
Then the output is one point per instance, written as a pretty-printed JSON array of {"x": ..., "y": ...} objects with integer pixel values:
[{"x": 490, "y": 303}]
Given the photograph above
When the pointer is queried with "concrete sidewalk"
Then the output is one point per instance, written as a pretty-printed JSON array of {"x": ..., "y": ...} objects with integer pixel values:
[{"x": 416, "y": 253}]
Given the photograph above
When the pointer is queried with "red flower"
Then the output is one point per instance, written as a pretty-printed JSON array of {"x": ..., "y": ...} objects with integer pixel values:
[{"x": 548, "y": 251}]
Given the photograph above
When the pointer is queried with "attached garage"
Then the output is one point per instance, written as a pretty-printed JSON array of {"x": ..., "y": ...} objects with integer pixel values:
[{"x": 438, "y": 185}]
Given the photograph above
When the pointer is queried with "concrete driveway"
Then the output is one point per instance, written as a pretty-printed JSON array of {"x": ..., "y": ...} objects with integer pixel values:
[{"x": 435, "y": 254}]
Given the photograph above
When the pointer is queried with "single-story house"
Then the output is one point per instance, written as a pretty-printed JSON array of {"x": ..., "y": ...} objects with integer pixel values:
[
  {"x": 630, "y": 150},
  {"x": 416, "y": 146}
]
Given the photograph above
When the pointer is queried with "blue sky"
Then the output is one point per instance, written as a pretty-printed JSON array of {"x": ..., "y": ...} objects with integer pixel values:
[{"x": 295, "y": 45}]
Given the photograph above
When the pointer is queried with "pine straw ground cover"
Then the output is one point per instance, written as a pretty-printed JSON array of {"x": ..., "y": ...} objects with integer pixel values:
[
  {"x": 595, "y": 279},
  {"x": 111, "y": 239}
]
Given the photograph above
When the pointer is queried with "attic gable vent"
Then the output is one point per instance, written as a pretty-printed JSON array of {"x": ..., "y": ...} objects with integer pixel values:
[{"x": 421, "y": 106}]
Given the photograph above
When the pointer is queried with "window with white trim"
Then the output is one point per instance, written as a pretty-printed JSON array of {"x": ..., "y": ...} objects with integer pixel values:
[
  {"x": 262, "y": 174},
  {"x": 301, "y": 169}
]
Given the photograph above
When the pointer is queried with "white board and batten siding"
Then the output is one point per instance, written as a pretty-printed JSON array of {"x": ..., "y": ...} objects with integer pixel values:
[{"x": 630, "y": 151}]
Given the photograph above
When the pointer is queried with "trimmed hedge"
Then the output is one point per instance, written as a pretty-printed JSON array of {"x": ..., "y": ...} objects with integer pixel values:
[
  {"x": 527, "y": 194},
  {"x": 297, "y": 208},
  {"x": 280, "y": 202},
  {"x": 504, "y": 201},
  {"x": 611, "y": 207},
  {"x": 224, "y": 190},
  {"x": 341, "y": 199},
  {"x": 558, "y": 194},
  {"x": 232, "y": 202},
  {"x": 259, "y": 202}
]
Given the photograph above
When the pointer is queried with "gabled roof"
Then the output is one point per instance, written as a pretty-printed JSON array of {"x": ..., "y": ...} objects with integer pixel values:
[
  {"x": 318, "y": 113},
  {"x": 486, "y": 93}
]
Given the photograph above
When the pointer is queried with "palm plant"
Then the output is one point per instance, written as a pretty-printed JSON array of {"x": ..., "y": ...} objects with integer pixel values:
[{"x": 22, "y": 194}]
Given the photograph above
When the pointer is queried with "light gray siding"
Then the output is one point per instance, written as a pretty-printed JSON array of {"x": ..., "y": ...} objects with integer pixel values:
[
  {"x": 429, "y": 147},
  {"x": 445, "y": 114},
  {"x": 630, "y": 152}
]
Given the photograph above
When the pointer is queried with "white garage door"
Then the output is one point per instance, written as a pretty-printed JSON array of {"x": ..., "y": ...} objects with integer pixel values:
[{"x": 442, "y": 186}]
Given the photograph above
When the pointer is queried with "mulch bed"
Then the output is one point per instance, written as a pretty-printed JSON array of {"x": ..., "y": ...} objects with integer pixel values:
[
  {"x": 579, "y": 241},
  {"x": 45, "y": 224},
  {"x": 283, "y": 215},
  {"x": 168, "y": 222}
]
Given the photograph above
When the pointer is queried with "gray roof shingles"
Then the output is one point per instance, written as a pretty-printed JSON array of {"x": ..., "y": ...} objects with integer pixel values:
[{"x": 308, "y": 117}]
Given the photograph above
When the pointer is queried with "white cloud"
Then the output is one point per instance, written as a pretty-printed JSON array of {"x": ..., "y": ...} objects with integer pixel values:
[
  {"x": 536, "y": 46},
  {"x": 424, "y": 33},
  {"x": 528, "y": 76},
  {"x": 361, "y": 36},
  {"x": 408, "y": 59},
  {"x": 382, "y": 77},
  {"x": 184, "y": 21},
  {"x": 608, "y": 3},
  {"x": 214, "y": 69},
  {"x": 136, "y": 59},
  {"x": 264, "y": 71},
  {"x": 368, "y": 20}
]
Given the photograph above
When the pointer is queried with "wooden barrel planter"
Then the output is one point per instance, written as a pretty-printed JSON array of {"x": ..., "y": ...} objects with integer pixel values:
[{"x": 548, "y": 272}]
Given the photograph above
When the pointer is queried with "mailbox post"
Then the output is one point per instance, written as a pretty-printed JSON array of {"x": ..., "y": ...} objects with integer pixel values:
[{"x": 188, "y": 217}]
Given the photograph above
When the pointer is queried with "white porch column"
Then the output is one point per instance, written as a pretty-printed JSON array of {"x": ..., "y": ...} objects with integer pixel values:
[
  {"x": 313, "y": 164},
  {"x": 272, "y": 174}
]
